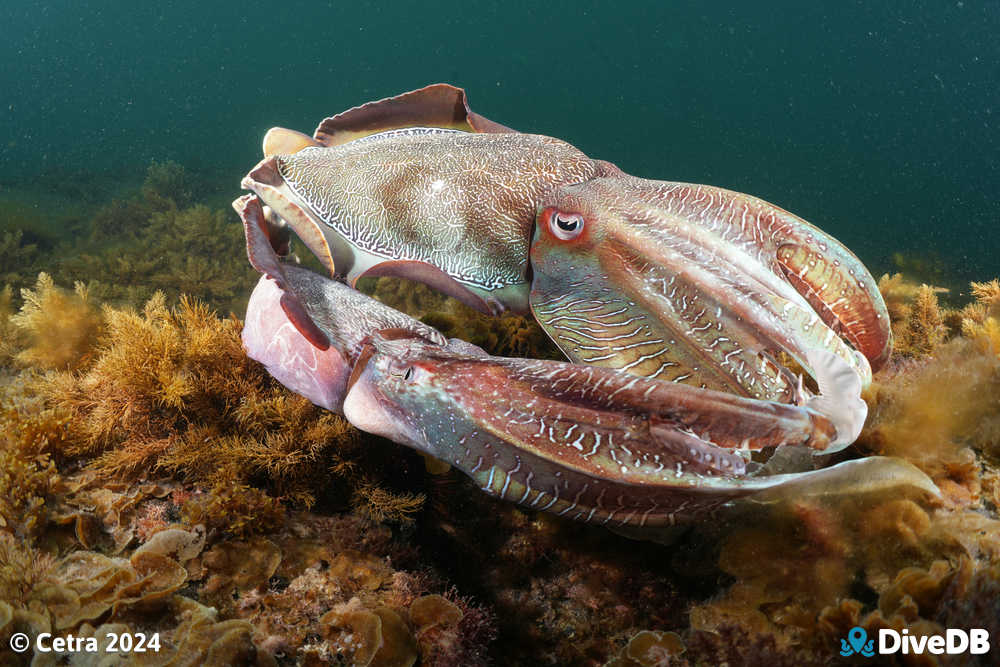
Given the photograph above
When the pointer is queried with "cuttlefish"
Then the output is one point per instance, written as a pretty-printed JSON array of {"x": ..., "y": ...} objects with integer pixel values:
[{"x": 680, "y": 308}]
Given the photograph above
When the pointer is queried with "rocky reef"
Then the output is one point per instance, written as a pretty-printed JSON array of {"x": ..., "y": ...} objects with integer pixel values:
[{"x": 155, "y": 480}]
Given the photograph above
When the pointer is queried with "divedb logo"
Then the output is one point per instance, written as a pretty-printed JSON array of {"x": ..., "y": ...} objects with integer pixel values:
[{"x": 954, "y": 641}]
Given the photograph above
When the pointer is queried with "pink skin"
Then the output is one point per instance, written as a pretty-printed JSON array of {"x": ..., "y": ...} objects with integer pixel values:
[{"x": 272, "y": 339}]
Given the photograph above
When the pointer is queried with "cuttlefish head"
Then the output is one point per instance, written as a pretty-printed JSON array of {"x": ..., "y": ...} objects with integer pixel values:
[{"x": 700, "y": 285}]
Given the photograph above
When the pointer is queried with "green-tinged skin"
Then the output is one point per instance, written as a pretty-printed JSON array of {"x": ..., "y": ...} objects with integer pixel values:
[{"x": 592, "y": 444}]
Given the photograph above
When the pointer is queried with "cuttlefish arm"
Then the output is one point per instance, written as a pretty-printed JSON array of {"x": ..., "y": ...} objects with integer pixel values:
[
  {"x": 307, "y": 330},
  {"x": 592, "y": 444},
  {"x": 701, "y": 285},
  {"x": 418, "y": 186}
]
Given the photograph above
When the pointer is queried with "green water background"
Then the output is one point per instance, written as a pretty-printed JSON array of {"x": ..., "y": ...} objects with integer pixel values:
[{"x": 875, "y": 120}]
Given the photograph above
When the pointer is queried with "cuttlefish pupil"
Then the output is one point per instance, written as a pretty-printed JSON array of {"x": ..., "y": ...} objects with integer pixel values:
[{"x": 565, "y": 226}]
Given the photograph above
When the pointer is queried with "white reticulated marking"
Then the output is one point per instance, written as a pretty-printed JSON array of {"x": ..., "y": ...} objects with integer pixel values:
[
  {"x": 503, "y": 491},
  {"x": 576, "y": 500},
  {"x": 642, "y": 359},
  {"x": 645, "y": 515},
  {"x": 527, "y": 487},
  {"x": 625, "y": 387},
  {"x": 554, "y": 499},
  {"x": 351, "y": 201}
]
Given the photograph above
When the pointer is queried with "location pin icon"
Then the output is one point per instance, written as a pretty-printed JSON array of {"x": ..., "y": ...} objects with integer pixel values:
[{"x": 857, "y": 636}]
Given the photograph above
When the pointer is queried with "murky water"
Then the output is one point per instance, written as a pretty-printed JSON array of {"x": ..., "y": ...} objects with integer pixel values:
[{"x": 878, "y": 123}]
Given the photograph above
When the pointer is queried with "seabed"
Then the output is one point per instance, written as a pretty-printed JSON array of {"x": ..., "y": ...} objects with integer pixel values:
[{"x": 154, "y": 480}]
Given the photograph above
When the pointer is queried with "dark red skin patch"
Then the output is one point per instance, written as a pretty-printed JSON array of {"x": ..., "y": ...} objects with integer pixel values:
[{"x": 263, "y": 257}]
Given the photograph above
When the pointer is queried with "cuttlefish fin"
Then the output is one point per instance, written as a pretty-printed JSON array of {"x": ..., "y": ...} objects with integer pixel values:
[
  {"x": 282, "y": 141},
  {"x": 428, "y": 274},
  {"x": 438, "y": 105}
]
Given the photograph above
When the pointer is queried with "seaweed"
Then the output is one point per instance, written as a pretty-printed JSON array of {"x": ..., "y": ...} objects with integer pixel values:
[
  {"x": 19, "y": 259},
  {"x": 650, "y": 649},
  {"x": 375, "y": 637},
  {"x": 980, "y": 321},
  {"x": 804, "y": 566},
  {"x": 58, "y": 327},
  {"x": 10, "y": 335},
  {"x": 22, "y": 569},
  {"x": 71, "y": 595},
  {"x": 170, "y": 390},
  {"x": 168, "y": 181},
  {"x": 158, "y": 239},
  {"x": 923, "y": 601},
  {"x": 381, "y": 505},
  {"x": 29, "y": 434},
  {"x": 233, "y": 509},
  {"x": 912, "y": 416},
  {"x": 916, "y": 317},
  {"x": 193, "y": 251},
  {"x": 446, "y": 633}
]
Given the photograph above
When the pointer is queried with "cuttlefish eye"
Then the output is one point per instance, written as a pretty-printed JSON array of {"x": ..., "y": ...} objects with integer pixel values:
[
  {"x": 565, "y": 226},
  {"x": 399, "y": 369},
  {"x": 405, "y": 373}
]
